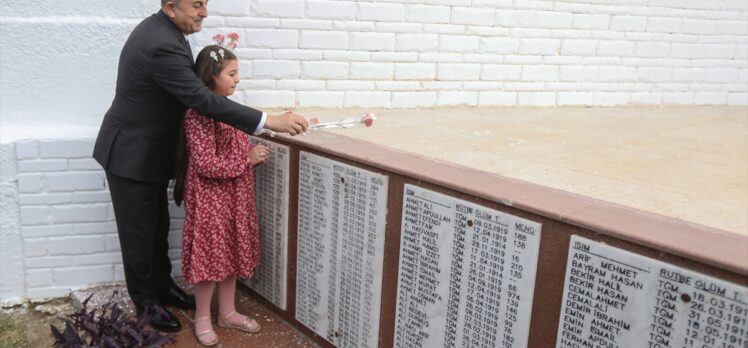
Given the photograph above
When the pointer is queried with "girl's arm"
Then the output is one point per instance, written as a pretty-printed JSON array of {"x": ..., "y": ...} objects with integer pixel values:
[{"x": 201, "y": 139}]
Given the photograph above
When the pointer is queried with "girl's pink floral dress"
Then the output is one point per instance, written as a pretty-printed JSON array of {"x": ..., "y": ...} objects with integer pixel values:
[{"x": 221, "y": 233}]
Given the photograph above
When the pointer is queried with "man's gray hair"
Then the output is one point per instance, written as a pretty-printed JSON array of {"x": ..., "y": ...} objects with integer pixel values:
[{"x": 163, "y": 2}]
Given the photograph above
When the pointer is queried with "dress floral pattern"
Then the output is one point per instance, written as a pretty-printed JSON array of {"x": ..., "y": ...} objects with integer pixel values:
[{"x": 221, "y": 231}]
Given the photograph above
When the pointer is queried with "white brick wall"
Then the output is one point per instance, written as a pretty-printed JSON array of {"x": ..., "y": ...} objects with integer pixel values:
[{"x": 68, "y": 236}]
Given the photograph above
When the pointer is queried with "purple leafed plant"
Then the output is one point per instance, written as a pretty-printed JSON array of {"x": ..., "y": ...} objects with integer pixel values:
[{"x": 107, "y": 327}]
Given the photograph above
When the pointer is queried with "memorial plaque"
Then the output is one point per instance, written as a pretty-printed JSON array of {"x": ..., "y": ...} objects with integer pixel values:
[
  {"x": 615, "y": 298},
  {"x": 342, "y": 211},
  {"x": 271, "y": 195},
  {"x": 466, "y": 276}
]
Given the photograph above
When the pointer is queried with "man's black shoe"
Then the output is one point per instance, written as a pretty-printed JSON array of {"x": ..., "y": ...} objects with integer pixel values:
[
  {"x": 176, "y": 297},
  {"x": 160, "y": 318}
]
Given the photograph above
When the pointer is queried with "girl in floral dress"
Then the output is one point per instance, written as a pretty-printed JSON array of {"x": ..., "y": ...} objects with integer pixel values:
[{"x": 221, "y": 234}]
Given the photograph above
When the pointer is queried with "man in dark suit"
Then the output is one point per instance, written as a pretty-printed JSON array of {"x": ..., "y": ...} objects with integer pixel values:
[{"x": 137, "y": 146}]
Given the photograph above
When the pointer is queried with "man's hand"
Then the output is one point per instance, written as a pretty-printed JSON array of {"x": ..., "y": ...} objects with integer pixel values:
[{"x": 287, "y": 122}]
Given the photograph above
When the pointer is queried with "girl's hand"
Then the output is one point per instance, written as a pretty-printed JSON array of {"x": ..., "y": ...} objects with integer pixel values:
[{"x": 258, "y": 154}]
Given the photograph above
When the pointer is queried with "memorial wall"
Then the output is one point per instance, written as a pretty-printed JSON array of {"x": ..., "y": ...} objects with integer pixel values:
[{"x": 357, "y": 252}]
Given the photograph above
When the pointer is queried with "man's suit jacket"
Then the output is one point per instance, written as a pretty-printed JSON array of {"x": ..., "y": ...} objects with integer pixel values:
[{"x": 155, "y": 84}]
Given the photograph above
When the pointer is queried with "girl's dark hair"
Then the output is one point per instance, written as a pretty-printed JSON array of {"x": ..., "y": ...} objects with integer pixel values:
[{"x": 209, "y": 63}]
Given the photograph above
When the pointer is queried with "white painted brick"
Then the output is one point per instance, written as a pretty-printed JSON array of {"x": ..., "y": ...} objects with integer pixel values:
[
  {"x": 380, "y": 12},
  {"x": 652, "y": 49},
  {"x": 324, "y": 70},
  {"x": 351, "y": 26},
  {"x": 323, "y": 40},
  {"x": 531, "y": 33},
  {"x": 590, "y": 21},
  {"x": 372, "y": 71},
  {"x": 578, "y": 47},
  {"x": 75, "y": 245},
  {"x": 617, "y": 73},
  {"x": 574, "y": 98},
  {"x": 458, "y": 72},
  {"x": 611, "y": 98},
  {"x": 737, "y": 98},
  {"x": 440, "y": 57},
  {"x": 497, "y": 98},
  {"x": 367, "y": 99},
  {"x": 539, "y": 46},
  {"x": 30, "y": 183},
  {"x": 75, "y": 181},
  {"x": 710, "y": 98},
  {"x": 47, "y": 261},
  {"x": 500, "y": 45},
  {"x": 350, "y": 85},
  {"x": 271, "y": 38},
  {"x": 112, "y": 242},
  {"x": 83, "y": 275},
  {"x": 346, "y": 56},
  {"x": 398, "y": 86},
  {"x": 536, "y": 98},
  {"x": 417, "y": 42},
  {"x": 95, "y": 228},
  {"x": 415, "y": 71},
  {"x": 628, "y": 23},
  {"x": 441, "y": 85},
  {"x": 301, "y": 85},
  {"x": 246, "y": 22},
  {"x": 83, "y": 164},
  {"x": 689, "y": 75},
  {"x": 615, "y": 48},
  {"x": 46, "y": 230},
  {"x": 26, "y": 149},
  {"x": 455, "y": 29},
  {"x": 36, "y": 278},
  {"x": 323, "y": 99},
  {"x": 487, "y": 31},
  {"x": 699, "y": 27},
  {"x": 553, "y": 19},
  {"x": 687, "y": 51},
  {"x": 66, "y": 149},
  {"x": 413, "y": 99},
  {"x": 571, "y": 33},
  {"x": 732, "y": 27},
  {"x": 34, "y": 247},
  {"x": 524, "y": 86},
  {"x": 721, "y": 51},
  {"x": 427, "y": 14},
  {"x": 34, "y": 215},
  {"x": 91, "y": 197},
  {"x": 473, "y": 16},
  {"x": 271, "y": 99},
  {"x": 119, "y": 272},
  {"x": 386, "y": 27},
  {"x": 331, "y": 9},
  {"x": 539, "y": 73},
  {"x": 113, "y": 258},
  {"x": 578, "y": 73},
  {"x": 306, "y": 24},
  {"x": 722, "y": 75},
  {"x": 482, "y": 58},
  {"x": 734, "y": 5},
  {"x": 515, "y": 18},
  {"x": 459, "y": 43},
  {"x": 78, "y": 213},
  {"x": 372, "y": 41},
  {"x": 446, "y": 2},
  {"x": 231, "y": 8},
  {"x": 482, "y": 85},
  {"x": 678, "y": 98},
  {"x": 501, "y": 72},
  {"x": 655, "y": 74},
  {"x": 457, "y": 98},
  {"x": 254, "y": 84},
  {"x": 48, "y": 292},
  {"x": 646, "y": 98},
  {"x": 276, "y": 69},
  {"x": 297, "y": 54},
  {"x": 279, "y": 8},
  {"x": 45, "y": 198},
  {"x": 493, "y": 3},
  {"x": 664, "y": 25},
  {"x": 394, "y": 56}
]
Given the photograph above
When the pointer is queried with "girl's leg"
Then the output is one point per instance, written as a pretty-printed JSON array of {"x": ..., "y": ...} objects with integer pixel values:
[
  {"x": 203, "y": 294},
  {"x": 227, "y": 314}
]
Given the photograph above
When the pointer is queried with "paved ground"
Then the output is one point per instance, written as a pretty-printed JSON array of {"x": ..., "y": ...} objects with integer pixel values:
[{"x": 689, "y": 163}]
